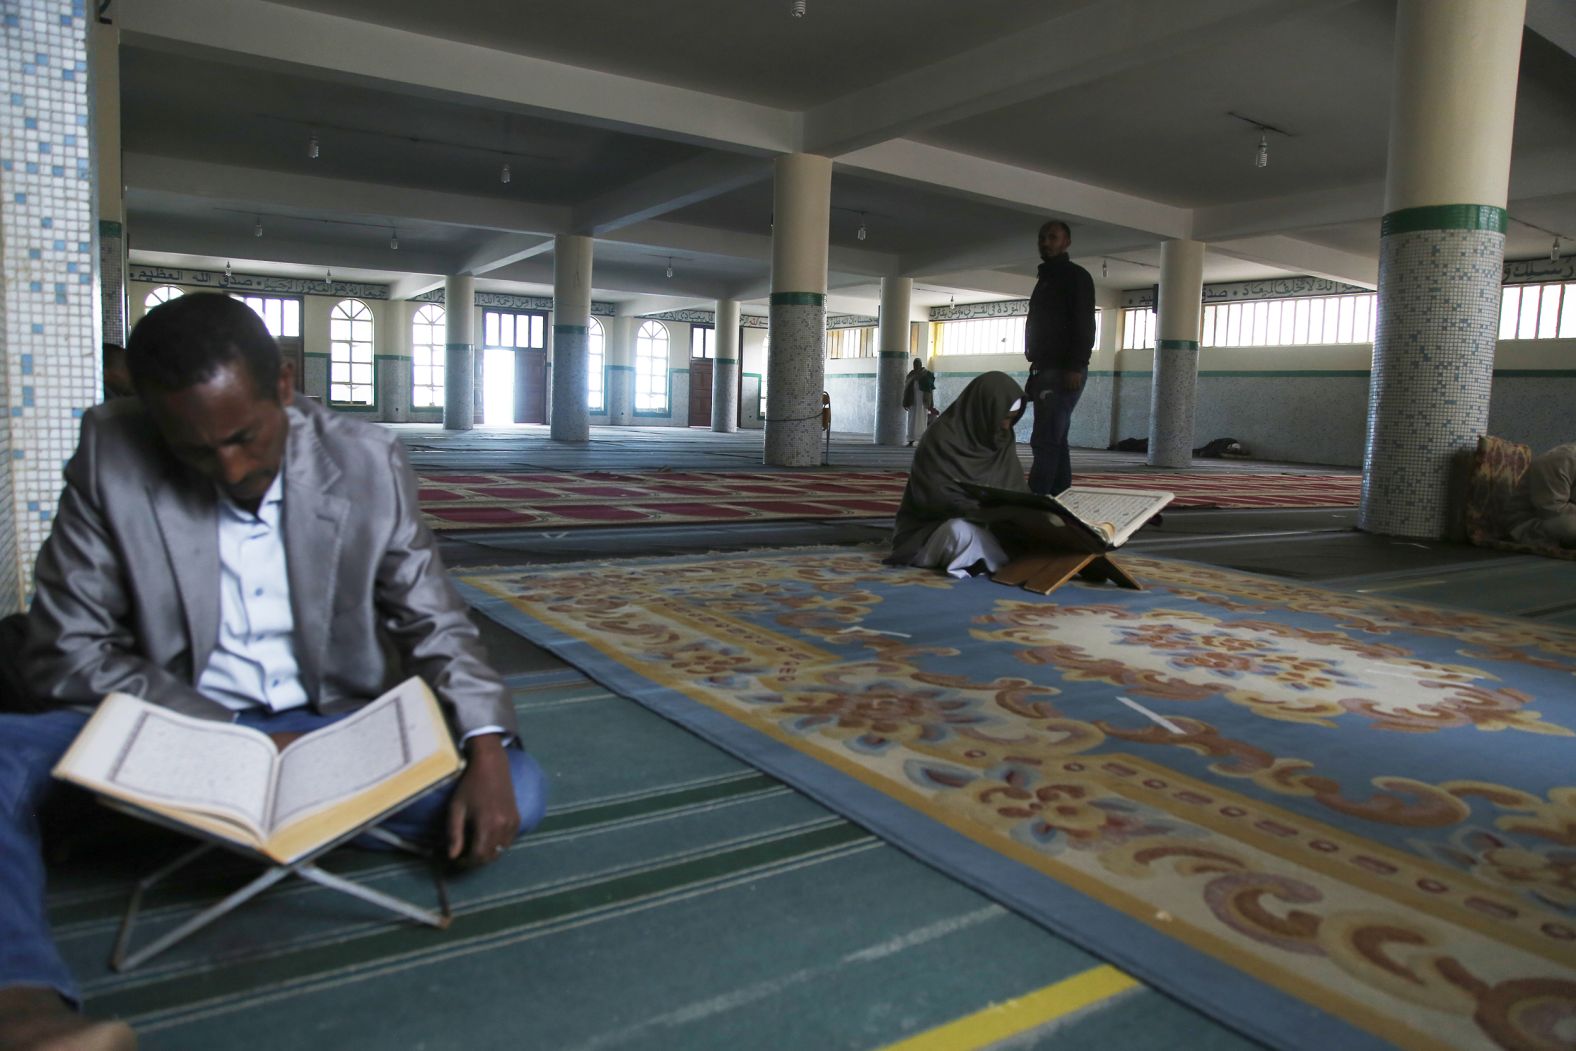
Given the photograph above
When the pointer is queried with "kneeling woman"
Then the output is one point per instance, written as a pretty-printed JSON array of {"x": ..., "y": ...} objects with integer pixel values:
[{"x": 938, "y": 525}]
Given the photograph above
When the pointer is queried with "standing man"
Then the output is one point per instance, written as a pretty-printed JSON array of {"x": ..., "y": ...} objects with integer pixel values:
[
  {"x": 1057, "y": 339},
  {"x": 919, "y": 398}
]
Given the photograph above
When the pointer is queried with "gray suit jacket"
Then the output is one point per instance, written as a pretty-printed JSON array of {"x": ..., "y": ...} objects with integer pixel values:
[{"x": 128, "y": 581}]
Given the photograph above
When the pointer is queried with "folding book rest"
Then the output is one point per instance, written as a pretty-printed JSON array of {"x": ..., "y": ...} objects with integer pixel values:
[
  {"x": 122, "y": 959},
  {"x": 1045, "y": 573}
]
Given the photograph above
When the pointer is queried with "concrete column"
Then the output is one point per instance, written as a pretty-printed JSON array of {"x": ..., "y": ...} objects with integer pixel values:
[
  {"x": 1175, "y": 386},
  {"x": 725, "y": 369},
  {"x": 1441, "y": 254},
  {"x": 1102, "y": 367},
  {"x": 571, "y": 420},
  {"x": 104, "y": 54},
  {"x": 620, "y": 347},
  {"x": 796, "y": 357},
  {"x": 896, "y": 295},
  {"x": 50, "y": 316},
  {"x": 460, "y": 388}
]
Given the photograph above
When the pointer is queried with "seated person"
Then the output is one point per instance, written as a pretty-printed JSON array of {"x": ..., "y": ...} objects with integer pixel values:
[
  {"x": 938, "y": 525},
  {"x": 232, "y": 552},
  {"x": 1550, "y": 485}
]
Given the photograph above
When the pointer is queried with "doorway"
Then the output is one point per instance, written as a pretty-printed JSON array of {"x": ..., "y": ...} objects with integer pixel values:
[{"x": 498, "y": 385}]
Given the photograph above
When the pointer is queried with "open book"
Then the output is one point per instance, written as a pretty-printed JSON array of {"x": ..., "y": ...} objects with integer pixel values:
[
  {"x": 1077, "y": 519},
  {"x": 229, "y": 781}
]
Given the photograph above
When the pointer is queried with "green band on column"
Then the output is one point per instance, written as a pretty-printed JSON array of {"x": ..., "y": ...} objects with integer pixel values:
[
  {"x": 459, "y": 346},
  {"x": 569, "y": 330},
  {"x": 110, "y": 228},
  {"x": 894, "y": 354},
  {"x": 1444, "y": 217},
  {"x": 1176, "y": 344},
  {"x": 798, "y": 299},
  {"x": 726, "y": 361}
]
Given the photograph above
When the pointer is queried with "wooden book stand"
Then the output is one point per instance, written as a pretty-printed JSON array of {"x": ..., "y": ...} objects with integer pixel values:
[{"x": 1043, "y": 574}]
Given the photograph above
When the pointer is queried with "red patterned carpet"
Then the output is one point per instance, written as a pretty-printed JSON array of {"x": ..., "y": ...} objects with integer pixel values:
[{"x": 551, "y": 499}]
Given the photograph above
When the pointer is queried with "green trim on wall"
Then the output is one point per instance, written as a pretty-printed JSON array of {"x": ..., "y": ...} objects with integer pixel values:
[
  {"x": 798, "y": 299},
  {"x": 314, "y": 354},
  {"x": 569, "y": 330},
  {"x": 1444, "y": 217},
  {"x": 1527, "y": 374},
  {"x": 1176, "y": 344}
]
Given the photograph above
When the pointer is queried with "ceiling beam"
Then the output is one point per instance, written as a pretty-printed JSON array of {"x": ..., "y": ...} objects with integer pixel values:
[
  {"x": 413, "y": 63},
  {"x": 1304, "y": 257},
  {"x": 303, "y": 194},
  {"x": 1088, "y": 43},
  {"x": 994, "y": 182},
  {"x": 181, "y": 238},
  {"x": 689, "y": 182},
  {"x": 503, "y": 250},
  {"x": 1554, "y": 21}
]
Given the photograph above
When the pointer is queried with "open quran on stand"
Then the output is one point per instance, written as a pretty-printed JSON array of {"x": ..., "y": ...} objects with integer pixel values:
[
  {"x": 230, "y": 782},
  {"x": 1060, "y": 536}
]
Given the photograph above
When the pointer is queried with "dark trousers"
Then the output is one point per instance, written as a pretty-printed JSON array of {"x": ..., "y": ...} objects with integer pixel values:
[{"x": 1053, "y": 417}]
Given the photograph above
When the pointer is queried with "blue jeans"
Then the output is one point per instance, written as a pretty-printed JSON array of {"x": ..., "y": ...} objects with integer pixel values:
[
  {"x": 1053, "y": 417},
  {"x": 30, "y": 745}
]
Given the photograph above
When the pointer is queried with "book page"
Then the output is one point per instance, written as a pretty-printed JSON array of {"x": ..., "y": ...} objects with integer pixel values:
[
  {"x": 144, "y": 753},
  {"x": 1118, "y": 513},
  {"x": 357, "y": 753}
]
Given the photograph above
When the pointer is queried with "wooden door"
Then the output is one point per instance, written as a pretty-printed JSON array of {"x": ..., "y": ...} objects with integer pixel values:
[
  {"x": 700, "y": 392},
  {"x": 530, "y": 385}
]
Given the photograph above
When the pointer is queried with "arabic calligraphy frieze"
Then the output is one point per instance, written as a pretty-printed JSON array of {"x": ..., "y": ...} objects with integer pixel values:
[
  {"x": 506, "y": 301},
  {"x": 297, "y": 286},
  {"x": 969, "y": 311},
  {"x": 688, "y": 317},
  {"x": 851, "y": 321},
  {"x": 1540, "y": 271}
]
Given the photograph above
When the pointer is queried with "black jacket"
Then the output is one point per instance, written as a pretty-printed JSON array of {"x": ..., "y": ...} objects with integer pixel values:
[{"x": 1059, "y": 333}]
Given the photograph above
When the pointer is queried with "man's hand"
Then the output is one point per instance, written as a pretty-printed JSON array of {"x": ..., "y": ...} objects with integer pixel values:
[
  {"x": 1073, "y": 381},
  {"x": 483, "y": 818}
]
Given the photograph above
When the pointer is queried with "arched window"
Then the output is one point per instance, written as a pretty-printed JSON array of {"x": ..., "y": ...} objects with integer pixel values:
[
  {"x": 427, "y": 357},
  {"x": 350, "y": 354},
  {"x": 162, "y": 294},
  {"x": 596, "y": 349},
  {"x": 651, "y": 368}
]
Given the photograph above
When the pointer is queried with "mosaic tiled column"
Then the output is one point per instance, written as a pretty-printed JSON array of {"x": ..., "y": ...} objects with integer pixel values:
[
  {"x": 1175, "y": 386},
  {"x": 725, "y": 369},
  {"x": 1441, "y": 255},
  {"x": 796, "y": 356},
  {"x": 896, "y": 296},
  {"x": 104, "y": 54},
  {"x": 50, "y": 325},
  {"x": 619, "y": 346},
  {"x": 459, "y": 353},
  {"x": 571, "y": 420}
]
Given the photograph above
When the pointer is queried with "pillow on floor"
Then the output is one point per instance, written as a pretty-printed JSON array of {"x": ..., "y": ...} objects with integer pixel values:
[{"x": 1494, "y": 506}]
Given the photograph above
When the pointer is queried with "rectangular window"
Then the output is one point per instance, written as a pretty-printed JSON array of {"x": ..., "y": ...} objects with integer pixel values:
[
  {"x": 525, "y": 329},
  {"x": 281, "y": 314},
  {"x": 850, "y": 343},
  {"x": 703, "y": 339}
]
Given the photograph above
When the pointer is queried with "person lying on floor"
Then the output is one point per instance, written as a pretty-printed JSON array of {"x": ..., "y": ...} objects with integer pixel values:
[
  {"x": 232, "y": 552},
  {"x": 1550, "y": 484},
  {"x": 938, "y": 525}
]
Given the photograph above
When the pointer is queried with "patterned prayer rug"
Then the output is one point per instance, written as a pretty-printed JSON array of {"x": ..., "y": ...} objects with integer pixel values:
[
  {"x": 1329, "y": 820},
  {"x": 556, "y": 500}
]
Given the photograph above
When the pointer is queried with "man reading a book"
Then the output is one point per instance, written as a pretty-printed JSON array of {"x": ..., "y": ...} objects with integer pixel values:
[{"x": 230, "y": 551}]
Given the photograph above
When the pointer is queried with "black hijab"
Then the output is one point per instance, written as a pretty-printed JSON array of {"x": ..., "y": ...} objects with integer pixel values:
[{"x": 966, "y": 443}]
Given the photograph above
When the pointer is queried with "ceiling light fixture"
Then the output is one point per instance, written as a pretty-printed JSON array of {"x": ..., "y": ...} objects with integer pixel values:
[
  {"x": 1105, "y": 269},
  {"x": 328, "y": 275},
  {"x": 1262, "y": 158},
  {"x": 227, "y": 272},
  {"x": 257, "y": 231},
  {"x": 863, "y": 233},
  {"x": 394, "y": 240},
  {"x": 796, "y": 8},
  {"x": 505, "y": 175},
  {"x": 670, "y": 266},
  {"x": 1554, "y": 252},
  {"x": 312, "y": 149}
]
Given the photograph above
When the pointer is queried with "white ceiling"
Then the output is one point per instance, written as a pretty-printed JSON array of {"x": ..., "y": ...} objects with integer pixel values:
[{"x": 955, "y": 130}]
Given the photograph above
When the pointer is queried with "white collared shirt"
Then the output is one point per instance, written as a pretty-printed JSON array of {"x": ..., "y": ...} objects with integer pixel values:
[{"x": 254, "y": 664}]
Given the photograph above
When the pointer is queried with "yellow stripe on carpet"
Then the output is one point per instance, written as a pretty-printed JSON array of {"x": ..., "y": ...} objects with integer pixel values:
[{"x": 1000, "y": 1021}]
